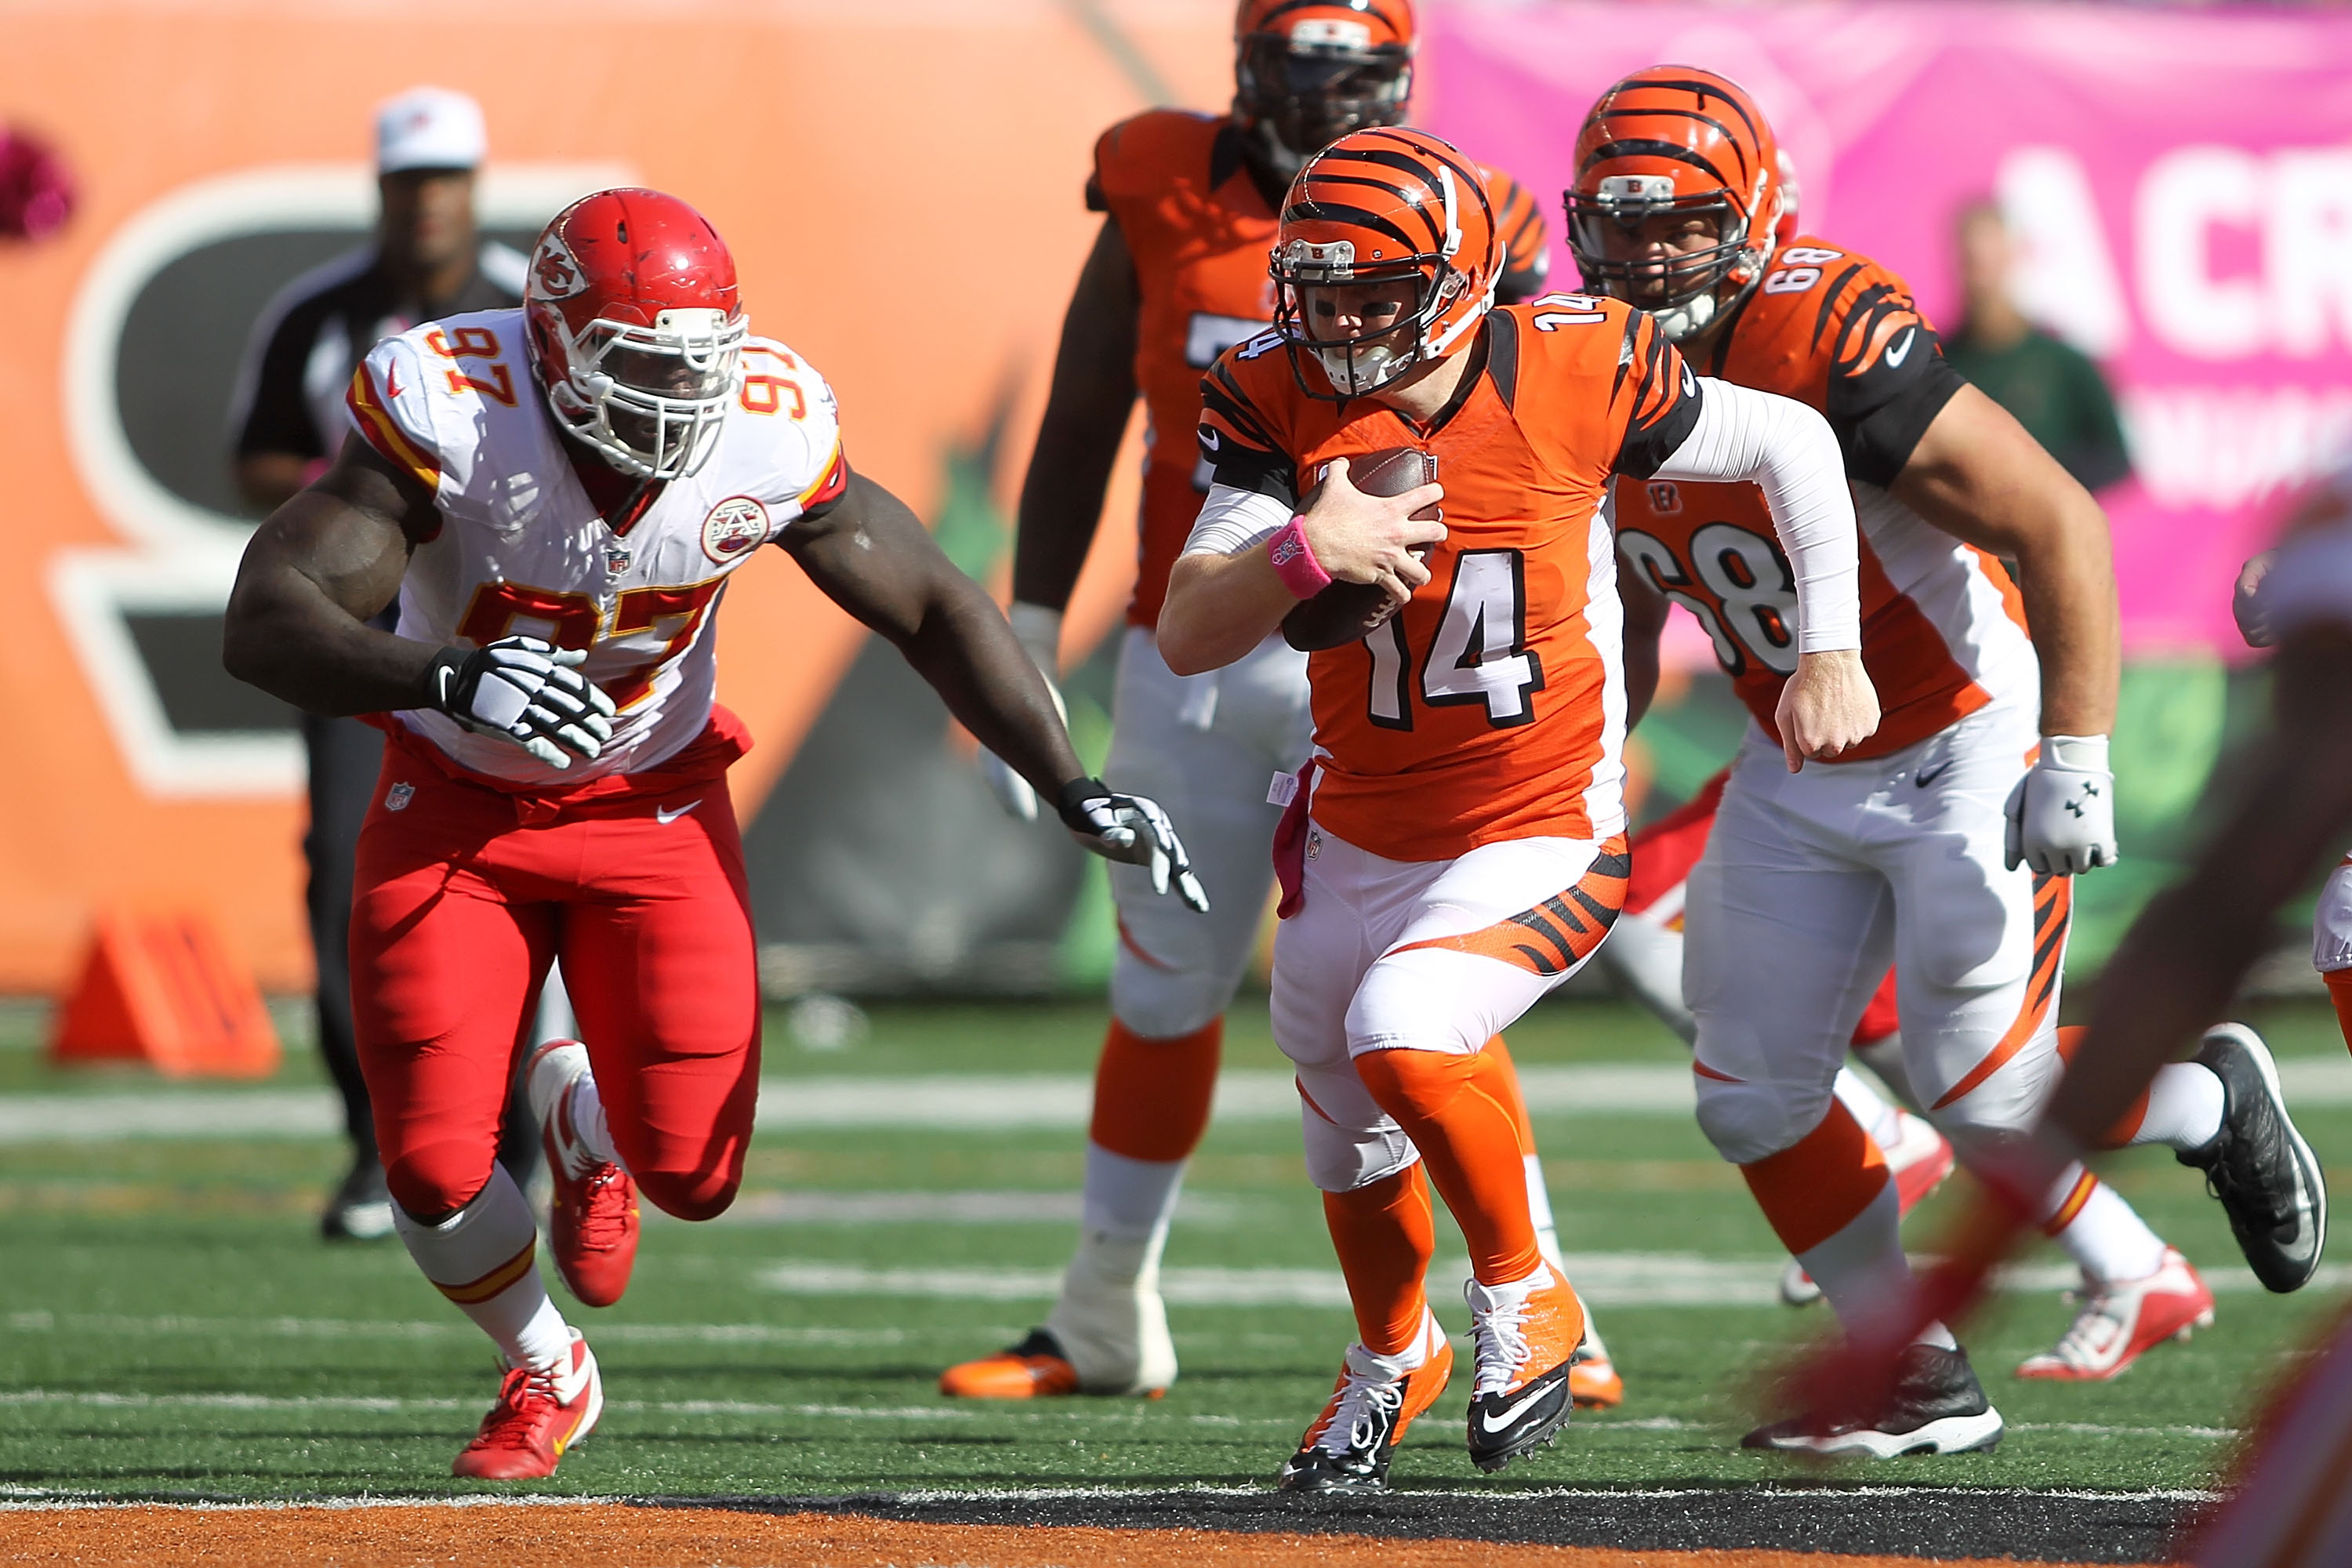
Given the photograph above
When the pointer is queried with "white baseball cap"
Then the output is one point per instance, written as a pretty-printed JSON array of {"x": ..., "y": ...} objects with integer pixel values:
[{"x": 429, "y": 128}]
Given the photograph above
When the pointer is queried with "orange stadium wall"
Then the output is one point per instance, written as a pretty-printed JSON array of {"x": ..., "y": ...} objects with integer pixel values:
[{"x": 899, "y": 180}]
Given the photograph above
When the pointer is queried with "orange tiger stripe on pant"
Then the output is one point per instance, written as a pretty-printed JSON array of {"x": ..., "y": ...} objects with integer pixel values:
[
  {"x": 1559, "y": 934},
  {"x": 2054, "y": 905}
]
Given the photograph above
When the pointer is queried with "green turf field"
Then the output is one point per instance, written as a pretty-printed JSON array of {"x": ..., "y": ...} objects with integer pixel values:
[{"x": 169, "y": 1324}]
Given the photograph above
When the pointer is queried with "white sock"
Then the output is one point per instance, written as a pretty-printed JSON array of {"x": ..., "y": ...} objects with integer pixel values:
[
  {"x": 2185, "y": 1105},
  {"x": 1539, "y": 1210},
  {"x": 1388, "y": 1368},
  {"x": 556, "y": 1020},
  {"x": 588, "y": 1120},
  {"x": 484, "y": 1257},
  {"x": 1878, "y": 1118},
  {"x": 2106, "y": 1238},
  {"x": 1861, "y": 1270},
  {"x": 1127, "y": 1199}
]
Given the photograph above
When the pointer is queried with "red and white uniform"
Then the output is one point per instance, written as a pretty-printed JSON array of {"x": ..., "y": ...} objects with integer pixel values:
[{"x": 479, "y": 865}]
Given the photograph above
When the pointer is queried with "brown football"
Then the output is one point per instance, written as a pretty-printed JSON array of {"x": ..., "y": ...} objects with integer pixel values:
[{"x": 1347, "y": 611}]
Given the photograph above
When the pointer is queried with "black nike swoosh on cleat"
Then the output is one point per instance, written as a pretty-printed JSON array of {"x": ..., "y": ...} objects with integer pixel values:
[{"x": 1927, "y": 777}]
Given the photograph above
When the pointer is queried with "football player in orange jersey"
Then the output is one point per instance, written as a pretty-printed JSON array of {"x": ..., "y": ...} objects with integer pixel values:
[
  {"x": 1926, "y": 847},
  {"x": 1456, "y": 847},
  {"x": 1177, "y": 275}
]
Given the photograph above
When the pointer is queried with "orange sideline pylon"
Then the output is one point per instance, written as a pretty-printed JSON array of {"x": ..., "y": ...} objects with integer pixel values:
[{"x": 159, "y": 986}]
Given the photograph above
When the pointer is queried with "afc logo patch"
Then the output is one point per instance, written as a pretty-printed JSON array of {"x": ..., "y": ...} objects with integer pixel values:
[
  {"x": 735, "y": 525},
  {"x": 1664, "y": 499}
]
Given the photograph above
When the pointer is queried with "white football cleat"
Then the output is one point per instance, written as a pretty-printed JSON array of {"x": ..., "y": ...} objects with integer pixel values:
[{"x": 2119, "y": 1319}]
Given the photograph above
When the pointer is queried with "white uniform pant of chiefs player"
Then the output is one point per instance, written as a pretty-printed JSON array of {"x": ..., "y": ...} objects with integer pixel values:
[
  {"x": 1348, "y": 978},
  {"x": 1204, "y": 747},
  {"x": 1813, "y": 882}
]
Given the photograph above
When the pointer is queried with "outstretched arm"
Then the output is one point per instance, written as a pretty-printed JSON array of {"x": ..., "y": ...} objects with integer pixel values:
[{"x": 874, "y": 558}]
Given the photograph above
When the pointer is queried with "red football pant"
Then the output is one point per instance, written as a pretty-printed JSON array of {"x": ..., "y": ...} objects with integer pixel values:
[{"x": 460, "y": 905}]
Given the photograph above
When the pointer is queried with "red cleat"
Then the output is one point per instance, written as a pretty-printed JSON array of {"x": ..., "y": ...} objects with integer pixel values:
[
  {"x": 592, "y": 1221},
  {"x": 539, "y": 1415}
]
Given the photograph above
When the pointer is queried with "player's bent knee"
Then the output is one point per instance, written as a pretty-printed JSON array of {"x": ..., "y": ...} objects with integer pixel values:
[
  {"x": 1752, "y": 1121},
  {"x": 690, "y": 1196},
  {"x": 1340, "y": 1159},
  {"x": 1163, "y": 1006},
  {"x": 435, "y": 1181},
  {"x": 1405, "y": 1002}
]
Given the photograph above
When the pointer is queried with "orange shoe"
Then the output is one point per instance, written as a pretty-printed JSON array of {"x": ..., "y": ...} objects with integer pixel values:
[
  {"x": 1033, "y": 1369},
  {"x": 1348, "y": 1447},
  {"x": 2121, "y": 1318},
  {"x": 1593, "y": 1380},
  {"x": 1527, "y": 1334},
  {"x": 535, "y": 1420},
  {"x": 592, "y": 1219}
]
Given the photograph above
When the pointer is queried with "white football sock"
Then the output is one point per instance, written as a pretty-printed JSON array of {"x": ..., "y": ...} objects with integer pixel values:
[
  {"x": 1863, "y": 1274},
  {"x": 1127, "y": 1199},
  {"x": 2185, "y": 1105},
  {"x": 2106, "y": 1238},
  {"x": 484, "y": 1257},
  {"x": 1539, "y": 1210},
  {"x": 1878, "y": 1118},
  {"x": 588, "y": 1120}
]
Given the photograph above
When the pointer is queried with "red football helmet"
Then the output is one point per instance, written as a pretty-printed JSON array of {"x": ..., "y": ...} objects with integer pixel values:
[
  {"x": 1674, "y": 142},
  {"x": 1382, "y": 205},
  {"x": 1306, "y": 72},
  {"x": 635, "y": 328}
]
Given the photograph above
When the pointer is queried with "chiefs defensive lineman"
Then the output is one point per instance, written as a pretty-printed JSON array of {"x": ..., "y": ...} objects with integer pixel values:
[
  {"x": 557, "y": 496},
  {"x": 1946, "y": 843},
  {"x": 1457, "y": 846},
  {"x": 1177, "y": 275}
]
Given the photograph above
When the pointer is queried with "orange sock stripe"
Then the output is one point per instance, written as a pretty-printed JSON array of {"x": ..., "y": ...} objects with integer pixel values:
[
  {"x": 2339, "y": 991},
  {"x": 473, "y": 1293},
  {"x": 2067, "y": 1212},
  {"x": 1385, "y": 1235},
  {"x": 1500, "y": 1075},
  {"x": 2127, "y": 1126},
  {"x": 2053, "y": 903},
  {"x": 1466, "y": 1139},
  {"x": 1815, "y": 1187},
  {"x": 1559, "y": 934},
  {"x": 1152, "y": 1098}
]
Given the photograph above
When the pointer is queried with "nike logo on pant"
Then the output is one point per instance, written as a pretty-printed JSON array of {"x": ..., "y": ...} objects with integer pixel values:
[
  {"x": 663, "y": 814},
  {"x": 1927, "y": 777}
]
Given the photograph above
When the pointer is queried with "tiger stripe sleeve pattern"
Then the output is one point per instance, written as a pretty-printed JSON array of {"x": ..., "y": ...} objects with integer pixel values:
[
  {"x": 1237, "y": 440},
  {"x": 1656, "y": 394},
  {"x": 1889, "y": 378}
]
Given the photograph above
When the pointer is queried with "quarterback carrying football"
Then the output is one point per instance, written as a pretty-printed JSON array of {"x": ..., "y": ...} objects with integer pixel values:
[
  {"x": 557, "y": 496},
  {"x": 1177, "y": 275},
  {"x": 1456, "y": 847}
]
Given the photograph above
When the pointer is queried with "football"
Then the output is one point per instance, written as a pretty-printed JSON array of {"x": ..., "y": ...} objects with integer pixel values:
[{"x": 1347, "y": 612}]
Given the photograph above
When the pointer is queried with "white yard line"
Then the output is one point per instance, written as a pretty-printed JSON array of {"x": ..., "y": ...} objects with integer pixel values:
[{"x": 366, "y": 1328}]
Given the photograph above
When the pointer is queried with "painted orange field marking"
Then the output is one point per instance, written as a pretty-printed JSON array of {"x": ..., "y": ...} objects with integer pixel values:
[{"x": 589, "y": 1535}]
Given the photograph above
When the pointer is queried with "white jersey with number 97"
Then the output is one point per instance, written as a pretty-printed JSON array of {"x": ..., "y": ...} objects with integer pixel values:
[{"x": 520, "y": 550}]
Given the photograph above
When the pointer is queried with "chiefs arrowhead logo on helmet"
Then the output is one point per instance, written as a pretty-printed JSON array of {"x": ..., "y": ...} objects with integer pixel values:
[{"x": 555, "y": 270}]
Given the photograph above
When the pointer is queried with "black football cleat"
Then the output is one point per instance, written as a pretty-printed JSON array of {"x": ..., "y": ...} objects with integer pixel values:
[
  {"x": 1937, "y": 1407},
  {"x": 2258, "y": 1165}
]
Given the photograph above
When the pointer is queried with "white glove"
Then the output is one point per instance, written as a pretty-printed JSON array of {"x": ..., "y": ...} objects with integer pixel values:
[
  {"x": 2246, "y": 603},
  {"x": 1040, "y": 631},
  {"x": 1129, "y": 828},
  {"x": 2061, "y": 815},
  {"x": 529, "y": 691}
]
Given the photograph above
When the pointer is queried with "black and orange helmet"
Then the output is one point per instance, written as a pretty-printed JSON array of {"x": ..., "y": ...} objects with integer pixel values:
[
  {"x": 1380, "y": 205},
  {"x": 1306, "y": 72},
  {"x": 1676, "y": 139}
]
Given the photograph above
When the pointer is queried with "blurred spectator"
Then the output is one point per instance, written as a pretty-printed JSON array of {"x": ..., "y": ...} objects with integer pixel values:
[
  {"x": 427, "y": 261},
  {"x": 2055, "y": 392},
  {"x": 36, "y": 194}
]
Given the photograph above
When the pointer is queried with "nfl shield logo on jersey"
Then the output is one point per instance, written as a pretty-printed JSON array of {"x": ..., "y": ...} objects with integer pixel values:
[
  {"x": 1664, "y": 499},
  {"x": 397, "y": 797},
  {"x": 735, "y": 525}
]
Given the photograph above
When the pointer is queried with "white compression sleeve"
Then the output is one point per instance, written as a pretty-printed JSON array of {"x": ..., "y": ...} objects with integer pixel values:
[
  {"x": 1790, "y": 451},
  {"x": 1232, "y": 520}
]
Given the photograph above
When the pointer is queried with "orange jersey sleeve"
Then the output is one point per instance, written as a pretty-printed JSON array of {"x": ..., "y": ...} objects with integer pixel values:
[{"x": 1836, "y": 330}]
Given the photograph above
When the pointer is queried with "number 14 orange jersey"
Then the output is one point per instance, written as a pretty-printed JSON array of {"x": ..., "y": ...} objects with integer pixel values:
[
  {"x": 1492, "y": 707},
  {"x": 1943, "y": 629}
]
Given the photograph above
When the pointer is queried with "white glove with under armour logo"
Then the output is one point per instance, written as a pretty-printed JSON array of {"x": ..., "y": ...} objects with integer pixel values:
[
  {"x": 1040, "y": 631},
  {"x": 1130, "y": 828},
  {"x": 529, "y": 691},
  {"x": 2061, "y": 815}
]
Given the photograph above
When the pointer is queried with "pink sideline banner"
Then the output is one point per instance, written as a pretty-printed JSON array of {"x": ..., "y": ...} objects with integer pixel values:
[{"x": 2181, "y": 183}]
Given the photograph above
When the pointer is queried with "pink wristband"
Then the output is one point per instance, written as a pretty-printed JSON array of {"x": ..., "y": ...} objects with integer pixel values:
[{"x": 1294, "y": 562}]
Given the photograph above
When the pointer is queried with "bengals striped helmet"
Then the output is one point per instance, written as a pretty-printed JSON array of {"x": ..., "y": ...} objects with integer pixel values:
[
  {"x": 1306, "y": 72},
  {"x": 1688, "y": 147},
  {"x": 1384, "y": 205}
]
